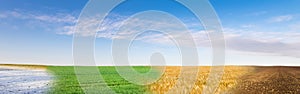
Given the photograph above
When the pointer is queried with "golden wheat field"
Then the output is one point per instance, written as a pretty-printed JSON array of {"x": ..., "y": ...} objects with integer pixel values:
[{"x": 175, "y": 79}]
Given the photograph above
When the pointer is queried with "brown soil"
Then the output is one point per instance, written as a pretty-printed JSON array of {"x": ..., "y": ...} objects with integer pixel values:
[{"x": 270, "y": 80}]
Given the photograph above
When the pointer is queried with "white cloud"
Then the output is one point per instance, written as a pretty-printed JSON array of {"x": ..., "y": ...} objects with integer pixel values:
[
  {"x": 2, "y": 16},
  {"x": 56, "y": 22},
  {"x": 295, "y": 27},
  {"x": 56, "y": 18},
  {"x": 282, "y": 18},
  {"x": 52, "y": 18},
  {"x": 276, "y": 43},
  {"x": 90, "y": 25},
  {"x": 110, "y": 26},
  {"x": 258, "y": 13},
  {"x": 283, "y": 43},
  {"x": 248, "y": 26}
]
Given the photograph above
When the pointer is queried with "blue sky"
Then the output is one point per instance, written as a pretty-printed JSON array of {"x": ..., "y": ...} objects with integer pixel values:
[{"x": 257, "y": 32}]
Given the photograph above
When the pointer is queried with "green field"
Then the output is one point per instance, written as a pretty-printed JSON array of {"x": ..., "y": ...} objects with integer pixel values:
[{"x": 66, "y": 80}]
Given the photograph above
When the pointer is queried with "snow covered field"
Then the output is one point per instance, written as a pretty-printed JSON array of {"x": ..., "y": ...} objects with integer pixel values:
[{"x": 14, "y": 80}]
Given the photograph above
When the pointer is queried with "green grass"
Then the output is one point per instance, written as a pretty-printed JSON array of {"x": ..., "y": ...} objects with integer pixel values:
[{"x": 66, "y": 81}]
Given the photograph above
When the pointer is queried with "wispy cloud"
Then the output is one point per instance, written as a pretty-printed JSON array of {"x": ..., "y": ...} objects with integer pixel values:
[
  {"x": 53, "y": 18},
  {"x": 285, "y": 43},
  {"x": 248, "y": 26},
  {"x": 2, "y": 16},
  {"x": 52, "y": 22},
  {"x": 111, "y": 25},
  {"x": 275, "y": 43},
  {"x": 282, "y": 18},
  {"x": 259, "y": 13},
  {"x": 63, "y": 18},
  {"x": 295, "y": 26}
]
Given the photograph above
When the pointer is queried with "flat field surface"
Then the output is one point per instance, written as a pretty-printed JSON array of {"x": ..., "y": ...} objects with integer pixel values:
[
  {"x": 235, "y": 80},
  {"x": 279, "y": 80},
  {"x": 24, "y": 80},
  {"x": 66, "y": 81}
]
